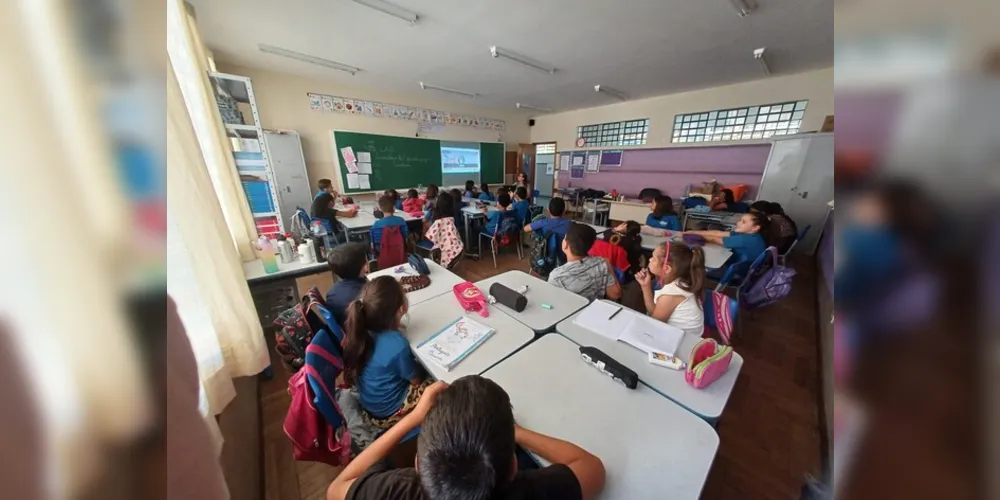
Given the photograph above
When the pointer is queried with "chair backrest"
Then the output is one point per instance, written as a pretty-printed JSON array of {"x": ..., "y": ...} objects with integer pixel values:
[
  {"x": 759, "y": 265},
  {"x": 391, "y": 252},
  {"x": 720, "y": 313},
  {"x": 802, "y": 234},
  {"x": 737, "y": 272},
  {"x": 327, "y": 363}
]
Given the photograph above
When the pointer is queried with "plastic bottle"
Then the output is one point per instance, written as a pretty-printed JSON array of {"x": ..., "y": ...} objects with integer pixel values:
[
  {"x": 267, "y": 255},
  {"x": 305, "y": 255}
]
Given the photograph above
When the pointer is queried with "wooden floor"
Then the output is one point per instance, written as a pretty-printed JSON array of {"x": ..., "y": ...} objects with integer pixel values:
[{"x": 769, "y": 433}]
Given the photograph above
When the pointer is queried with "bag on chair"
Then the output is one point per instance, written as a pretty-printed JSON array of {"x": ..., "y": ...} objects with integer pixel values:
[
  {"x": 313, "y": 438},
  {"x": 772, "y": 285},
  {"x": 708, "y": 362},
  {"x": 391, "y": 249}
]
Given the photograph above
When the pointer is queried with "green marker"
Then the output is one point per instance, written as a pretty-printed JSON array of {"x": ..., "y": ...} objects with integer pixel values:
[{"x": 546, "y": 306}]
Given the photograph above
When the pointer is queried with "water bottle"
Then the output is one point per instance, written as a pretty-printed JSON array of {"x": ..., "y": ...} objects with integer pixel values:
[
  {"x": 267, "y": 255},
  {"x": 285, "y": 249},
  {"x": 305, "y": 253},
  {"x": 318, "y": 229}
]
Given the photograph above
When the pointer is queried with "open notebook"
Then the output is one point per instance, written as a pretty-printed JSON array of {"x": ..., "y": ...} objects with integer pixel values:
[
  {"x": 623, "y": 324},
  {"x": 451, "y": 345}
]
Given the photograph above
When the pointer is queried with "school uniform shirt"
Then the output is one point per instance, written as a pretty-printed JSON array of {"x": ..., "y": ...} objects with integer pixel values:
[
  {"x": 379, "y": 482},
  {"x": 385, "y": 378},
  {"x": 689, "y": 315},
  {"x": 413, "y": 205},
  {"x": 341, "y": 294},
  {"x": 556, "y": 225},
  {"x": 521, "y": 208},
  {"x": 588, "y": 277},
  {"x": 669, "y": 222},
  {"x": 469, "y": 194},
  {"x": 390, "y": 220},
  {"x": 485, "y": 197},
  {"x": 745, "y": 246},
  {"x": 492, "y": 221}
]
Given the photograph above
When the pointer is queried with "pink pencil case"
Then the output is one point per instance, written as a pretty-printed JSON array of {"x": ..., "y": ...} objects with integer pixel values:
[{"x": 709, "y": 360}]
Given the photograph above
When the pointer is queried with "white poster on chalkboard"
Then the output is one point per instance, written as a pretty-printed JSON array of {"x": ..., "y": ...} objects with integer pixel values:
[
  {"x": 365, "y": 168},
  {"x": 365, "y": 183},
  {"x": 352, "y": 181}
]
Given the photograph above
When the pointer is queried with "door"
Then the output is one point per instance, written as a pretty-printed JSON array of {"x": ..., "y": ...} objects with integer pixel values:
[
  {"x": 289, "y": 168},
  {"x": 813, "y": 191},
  {"x": 781, "y": 174},
  {"x": 526, "y": 160},
  {"x": 544, "y": 169}
]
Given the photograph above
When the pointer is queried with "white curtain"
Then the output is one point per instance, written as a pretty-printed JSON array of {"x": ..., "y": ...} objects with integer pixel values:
[{"x": 190, "y": 61}]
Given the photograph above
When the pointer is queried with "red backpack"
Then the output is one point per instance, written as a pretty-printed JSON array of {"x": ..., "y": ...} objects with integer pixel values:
[
  {"x": 392, "y": 252},
  {"x": 313, "y": 438}
]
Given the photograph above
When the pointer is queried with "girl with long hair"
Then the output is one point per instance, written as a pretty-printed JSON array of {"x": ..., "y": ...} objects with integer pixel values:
[{"x": 678, "y": 302}]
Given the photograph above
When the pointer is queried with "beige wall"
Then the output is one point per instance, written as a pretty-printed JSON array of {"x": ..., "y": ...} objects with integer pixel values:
[
  {"x": 816, "y": 86},
  {"x": 282, "y": 104}
]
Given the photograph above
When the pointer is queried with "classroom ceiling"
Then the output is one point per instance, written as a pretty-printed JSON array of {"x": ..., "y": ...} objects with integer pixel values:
[{"x": 643, "y": 48}]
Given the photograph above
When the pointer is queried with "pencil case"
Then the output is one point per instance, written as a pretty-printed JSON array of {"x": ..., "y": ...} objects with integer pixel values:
[
  {"x": 471, "y": 298},
  {"x": 709, "y": 360}
]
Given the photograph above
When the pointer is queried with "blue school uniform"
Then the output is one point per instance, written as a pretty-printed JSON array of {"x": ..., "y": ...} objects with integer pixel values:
[
  {"x": 555, "y": 225},
  {"x": 670, "y": 222},
  {"x": 745, "y": 246},
  {"x": 521, "y": 208},
  {"x": 469, "y": 194},
  {"x": 493, "y": 221},
  {"x": 341, "y": 294},
  {"x": 385, "y": 378},
  {"x": 485, "y": 197},
  {"x": 391, "y": 220}
]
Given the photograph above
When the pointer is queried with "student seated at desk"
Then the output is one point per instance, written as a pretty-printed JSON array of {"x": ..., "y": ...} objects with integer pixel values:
[
  {"x": 627, "y": 235},
  {"x": 494, "y": 218},
  {"x": 722, "y": 200},
  {"x": 470, "y": 190},
  {"x": 589, "y": 277},
  {"x": 783, "y": 231},
  {"x": 413, "y": 203},
  {"x": 521, "y": 205},
  {"x": 396, "y": 201},
  {"x": 430, "y": 196},
  {"x": 323, "y": 209},
  {"x": 388, "y": 208},
  {"x": 663, "y": 216},
  {"x": 484, "y": 193},
  {"x": 555, "y": 223},
  {"x": 467, "y": 450},
  {"x": 747, "y": 241},
  {"x": 377, "y": 357},
  {"x": 349, "y": 262},
  {"x": 326, "y": 186},
  {"x": 677, "y": 303}
]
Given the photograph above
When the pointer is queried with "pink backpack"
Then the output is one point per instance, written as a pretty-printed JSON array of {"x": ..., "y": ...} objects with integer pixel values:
[
  {"x": 708, "y": 362},
  {"x": 313, "y": 438}
]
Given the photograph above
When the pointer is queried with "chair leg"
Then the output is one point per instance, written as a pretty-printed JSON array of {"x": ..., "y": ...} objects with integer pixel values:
[{"x": 493, "y": 247}]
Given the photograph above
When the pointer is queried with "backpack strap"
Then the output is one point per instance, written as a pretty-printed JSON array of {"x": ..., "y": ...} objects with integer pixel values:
[
  {"x": 310, "y": 371},
  {"x": 323, "y": 353}
]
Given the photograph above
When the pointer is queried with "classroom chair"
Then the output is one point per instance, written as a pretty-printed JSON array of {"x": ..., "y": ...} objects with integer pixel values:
[
  {"x": 506, "y": 228},
  {"x": 802, "y": 234},
  {"x": 739, "y": 276},
  {"x": 721, "y": 314}
]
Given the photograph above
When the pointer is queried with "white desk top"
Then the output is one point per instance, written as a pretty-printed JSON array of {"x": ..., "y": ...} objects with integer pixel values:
[
  {"x": 563, "y": 302},
  {"x": 715, "y": 255},
  {"x": 431, "y": 316},
  {"x": 708, "y": 402},
  {"x": 478, "y": 211},
  {"x": 442, "y": 281},
  {"x": 254, "y": 270},
  {"x": 650, "y": 447},
  {"x": 365, "y": 219}
]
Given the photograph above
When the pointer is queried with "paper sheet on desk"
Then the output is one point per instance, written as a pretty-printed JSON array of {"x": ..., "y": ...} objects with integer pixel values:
[
  {"x": 595, "y": 318},
  {"x": 648, "y": 334}
]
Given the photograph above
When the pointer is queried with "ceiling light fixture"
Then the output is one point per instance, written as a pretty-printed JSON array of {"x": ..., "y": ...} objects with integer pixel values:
[
  {"x": 497, "y": 52},
  {"x": 758, "y": 54},
  {"x": 425, "y": 86},
  {"x": 611, "y": 92},
  {"x": 744, "y": 7},
  {"x": 536, "y": 108},
  {"x": 393, "y": 10},
  {"x": 291, "y": 54}
]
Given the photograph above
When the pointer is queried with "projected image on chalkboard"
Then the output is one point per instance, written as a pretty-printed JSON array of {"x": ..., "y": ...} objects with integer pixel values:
[{"x": 460, "y": 162}]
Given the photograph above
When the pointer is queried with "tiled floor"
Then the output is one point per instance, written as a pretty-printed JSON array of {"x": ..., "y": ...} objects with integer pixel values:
[{"x": 769, "y": 433}]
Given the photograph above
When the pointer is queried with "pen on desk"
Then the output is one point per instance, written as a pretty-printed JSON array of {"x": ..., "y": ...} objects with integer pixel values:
[{"x": 614, "y": 314}]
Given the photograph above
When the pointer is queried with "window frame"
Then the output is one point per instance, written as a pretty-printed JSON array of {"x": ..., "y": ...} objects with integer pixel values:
[{"x": 756, "y": 122}]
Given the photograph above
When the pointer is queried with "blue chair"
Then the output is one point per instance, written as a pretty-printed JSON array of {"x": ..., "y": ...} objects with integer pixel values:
[
  {"x": 329, "y": 372},
  {"x": 509, "y": 220},
  {"x": 739, "y": 208},
  {"x": 802, "y": 234},
  {"x": 727, "y": 328},
  {"x": 736, "y": 273}
]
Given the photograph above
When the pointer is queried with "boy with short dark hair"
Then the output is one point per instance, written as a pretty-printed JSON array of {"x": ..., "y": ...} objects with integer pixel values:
[
  {"x": 555, "y": 223},
  {"x": 325, "y": 186},
  {"x": 349, "y": 263},
  {"x": 494, "y": 218},
  {"x": 521, "y": 205},
  {"x": 466, "y": 450},
  {"x": 388, "y": 207},
  {"x": 587, "y": 276}
]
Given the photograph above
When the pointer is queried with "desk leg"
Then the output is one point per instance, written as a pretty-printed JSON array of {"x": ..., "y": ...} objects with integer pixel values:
[{"x": 468, "y": 239}]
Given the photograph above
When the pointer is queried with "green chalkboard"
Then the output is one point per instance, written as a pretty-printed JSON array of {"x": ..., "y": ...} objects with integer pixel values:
[
  {"x": 407, "y": 162},
  {"x": 397, "y": 162}
]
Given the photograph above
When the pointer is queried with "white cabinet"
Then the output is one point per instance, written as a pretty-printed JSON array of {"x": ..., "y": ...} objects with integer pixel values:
[
  {"x": 288, "y": 166},
  {"x": 799, "y": 176}
]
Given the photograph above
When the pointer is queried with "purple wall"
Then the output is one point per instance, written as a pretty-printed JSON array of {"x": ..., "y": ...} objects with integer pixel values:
[{"x": 671, "y": 170}]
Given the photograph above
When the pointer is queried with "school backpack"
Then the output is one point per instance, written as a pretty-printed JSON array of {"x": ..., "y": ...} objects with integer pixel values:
[
  {"x": 545, "y": 252},
  {"x": 296, "y": 327},
  {"x": 770, "y": 285},
  {"x": 391, "y": 252},
  {"x": 314, "y": 422},
  {"x": 508, "y": 230}
]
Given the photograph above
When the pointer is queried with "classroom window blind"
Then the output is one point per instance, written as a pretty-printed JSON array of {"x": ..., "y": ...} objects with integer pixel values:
[
  {"x": 739, "y": 124},
  {"x": 626, "y": 133}
]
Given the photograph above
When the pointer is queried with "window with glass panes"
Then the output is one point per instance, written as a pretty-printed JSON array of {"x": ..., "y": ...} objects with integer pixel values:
[
  {"x": 626, "y": 133},
  {"x": 738, "y": 124}
]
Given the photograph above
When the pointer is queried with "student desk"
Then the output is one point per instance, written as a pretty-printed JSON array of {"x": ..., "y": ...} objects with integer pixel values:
[
  {"x": 442, "y": 280},
  {"x": 715, "y": 255},
  {"x": 254, "y": 270},
  {"x": 707, "y": 403},
  {"x": 363, "y": 221},
  {"x": 650, "y": 446},
  {"x": 541, "y": 320},
  {"x": 469, "y": 213},
  {"x": 432, "y": 315},
  {"x": 728, "y": 219}
]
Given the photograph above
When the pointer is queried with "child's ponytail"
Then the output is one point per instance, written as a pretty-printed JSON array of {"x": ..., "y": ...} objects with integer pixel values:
[
  {"x": 358, "y": 344},
  {"x": 698, "y": 273},
  {"x": 375, "y": 311}
]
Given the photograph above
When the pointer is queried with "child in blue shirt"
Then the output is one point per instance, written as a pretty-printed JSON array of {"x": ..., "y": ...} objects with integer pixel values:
[
  {"x": 494, "y": 218},
  {"x": 747, "y": 241},
  {"x": 470, "y": 190},
  {"x": 555, "y": 223},
  {"x": 388, "y": 207},
  {"x": 521, "y": 205},
  {"x": 663, "y": 216},
  {"x": 484, "y": 193},
  {"x": 377, "y": 357},
  {"x": 349, "y": 262}
]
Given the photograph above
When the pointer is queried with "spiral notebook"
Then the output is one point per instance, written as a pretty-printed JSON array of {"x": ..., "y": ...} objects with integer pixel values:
[{"x": 451, "y": 345}]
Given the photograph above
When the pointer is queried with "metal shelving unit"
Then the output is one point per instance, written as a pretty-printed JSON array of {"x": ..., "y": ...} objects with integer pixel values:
[{"x": 254, "y": 168}]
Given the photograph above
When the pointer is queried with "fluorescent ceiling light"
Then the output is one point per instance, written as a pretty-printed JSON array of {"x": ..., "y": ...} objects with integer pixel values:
[
  {"x": 531, "y": 63},
  {"x": 744, "y": 7},
  {"x": 393, "y": 10},
  {"x": 291, "y": 54},
  {"x": 758, "y": 54},
  {"x": 611, "y": 92},
  {"x": 536, "y": 108},
  {"x": 446, "y": 89}
]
